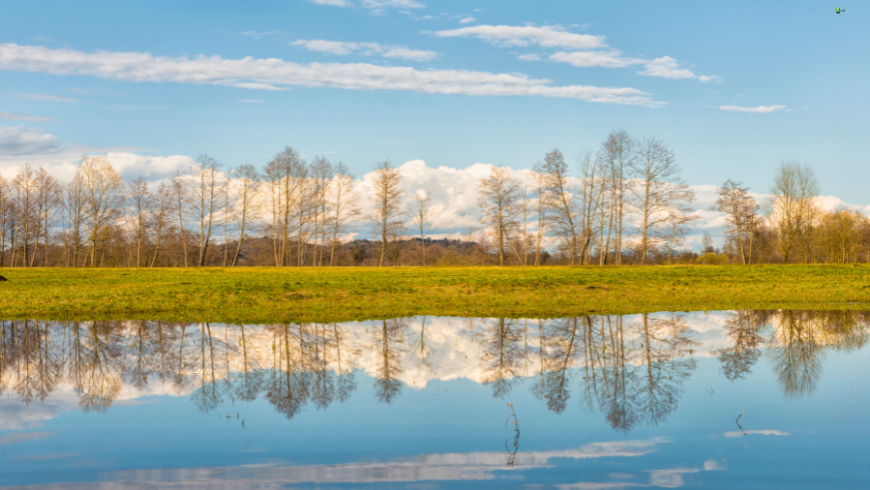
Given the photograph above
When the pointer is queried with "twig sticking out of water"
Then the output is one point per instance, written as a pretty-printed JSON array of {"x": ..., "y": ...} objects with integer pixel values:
[
  {"x": 737, "y": 421},
  {"x": 512, "y": 454}
]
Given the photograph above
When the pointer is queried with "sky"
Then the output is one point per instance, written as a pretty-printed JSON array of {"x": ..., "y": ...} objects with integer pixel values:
[{"x": 732, "y": 88}]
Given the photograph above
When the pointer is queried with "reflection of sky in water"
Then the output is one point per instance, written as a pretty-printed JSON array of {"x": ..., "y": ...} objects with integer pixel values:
[{"x": 424, "y": 406}]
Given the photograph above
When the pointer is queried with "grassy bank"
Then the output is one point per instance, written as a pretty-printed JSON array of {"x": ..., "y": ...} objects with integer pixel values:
[{"x": 263, "y": 295}]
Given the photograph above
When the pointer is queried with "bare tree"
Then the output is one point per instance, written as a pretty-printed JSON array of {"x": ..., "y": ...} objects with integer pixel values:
[
  {"x": 342, "y": 201},
  {"x": 541, "y": 198},
  {"x": 741, "y": 208},
  {"x": 562, "y": 203},
  {"x": 795, "y": 189},
  {"x": 248, "y": 181},
  {"x": 105, "y": 191},
  {"x": 47, "y": 201},
  {"x": 387, "y": 197},
  {"x": 179, "y": 191},
  {"x": 498, "y": 197},
  {"x": 420, "y": 213},
  {"x": 207, "y": 183},
  {"x": 618, "y": 153},
  {"x": 659, "y": 190},
  {"x": 142, "y": 202},
  {"x": 160, "y": 219}
]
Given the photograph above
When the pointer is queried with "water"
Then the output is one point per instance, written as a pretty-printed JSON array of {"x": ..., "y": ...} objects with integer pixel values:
[{"x": 575, "y": 403}]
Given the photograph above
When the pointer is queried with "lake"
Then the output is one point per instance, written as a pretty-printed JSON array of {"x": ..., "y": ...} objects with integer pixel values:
[{"x": 728, "y": 399}]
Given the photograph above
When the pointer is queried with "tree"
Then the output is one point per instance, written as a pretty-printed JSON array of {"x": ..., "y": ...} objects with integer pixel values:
[
  {"x": 342, "y": 201},
  {"x": 618, "y": 154},
  {"x": 248, "y": 182},
  {"x": 179, "y": 195},
  {"x": 143, "y": 203},
  {"x": 207, "y": 185},
  {"x": 795, "y": 189},
  {"x": 105, "y": 191},
  {"x": 734, "y": 200},
  {"x": 498, "y": 197},
  {"x": 562, "y": 202},
  {"x": 161, "y": 216},
  {"x": 659, "y": 190},
  {"x": 387, "y": 196},
  {"x": 420, "y": 213}
]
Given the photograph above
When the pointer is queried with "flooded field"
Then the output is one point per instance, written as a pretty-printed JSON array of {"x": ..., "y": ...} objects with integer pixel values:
[{"x": 730, "y": 399}]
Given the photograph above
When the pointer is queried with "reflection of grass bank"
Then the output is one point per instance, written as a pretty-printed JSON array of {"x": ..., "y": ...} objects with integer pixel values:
[{"x": 255, "y": 295}]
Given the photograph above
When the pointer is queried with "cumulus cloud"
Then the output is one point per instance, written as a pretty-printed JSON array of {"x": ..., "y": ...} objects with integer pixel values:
[
  {"x": 44, "y": 97},
  {"x": 367, "y": 49},
  {"x": 467, "y": 20},
  {"x": 22, "y": 140},
  {"x": 762, "y": 109},
  {"x": 276, "y": 74},
  {"x": 14, "y": 116},
  {"x": 546, "y": 36}
]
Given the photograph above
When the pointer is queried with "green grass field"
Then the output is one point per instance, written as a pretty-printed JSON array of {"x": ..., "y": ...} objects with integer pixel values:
[{"x": 266, "y": 295}]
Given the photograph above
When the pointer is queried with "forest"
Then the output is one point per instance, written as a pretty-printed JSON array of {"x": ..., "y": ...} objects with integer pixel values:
[{"x": 623, "y": 204}]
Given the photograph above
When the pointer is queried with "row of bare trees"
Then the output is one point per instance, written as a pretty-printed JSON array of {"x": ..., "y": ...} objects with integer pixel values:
[
  {"x": 791, "y": 226},
  {"x": 625, "y": 204},
  {"x": 627, "y": 187}
]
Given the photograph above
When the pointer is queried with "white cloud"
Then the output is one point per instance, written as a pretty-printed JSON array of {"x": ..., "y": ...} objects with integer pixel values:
[
  {"x": 252, "y": 101},
  {"x": 367, "y": 49},
  {"x": 22, "y": 140},
  {"x": 712, "y": 78},
  {"x": 666, "y": 67},
  {"x": 546, "y": 36},
  {"x": 276, "y": 74},
  {"x": 14, "y": 116},
  {"x": 606, "y": 59},
  {"x": 715, "y": 465},
  {"x": 44, "y": 97},
  {"x": 466, "y": 20},
  {"x": 529, "y": 57},
  {"x": 758, "y": 110}
]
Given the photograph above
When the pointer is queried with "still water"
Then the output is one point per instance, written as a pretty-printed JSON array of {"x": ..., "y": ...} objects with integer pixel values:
[{"x": 732, "y": 399}]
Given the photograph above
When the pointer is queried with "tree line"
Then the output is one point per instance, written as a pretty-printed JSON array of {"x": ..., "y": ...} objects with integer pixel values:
[{"x": 624, "y": 203}]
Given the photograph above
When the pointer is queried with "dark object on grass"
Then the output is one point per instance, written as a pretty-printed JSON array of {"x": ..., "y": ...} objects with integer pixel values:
[
  {"x": 597, "y": 287},
  {"x": 3, "y": 279}
]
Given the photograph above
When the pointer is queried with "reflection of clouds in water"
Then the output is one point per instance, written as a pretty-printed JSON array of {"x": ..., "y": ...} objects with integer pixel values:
[
  {"x": 762, "y": 432},
  {"x": 432, "y": 467},
  {"x": 670, "y": 478},
  {"x": 15, "y": 415},
  {"x": 716, "y": 465},
  {"x": 23, "y": 437}
]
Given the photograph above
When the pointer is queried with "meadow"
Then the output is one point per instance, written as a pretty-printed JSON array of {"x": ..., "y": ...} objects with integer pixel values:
[{"x": 267, "y": 295}]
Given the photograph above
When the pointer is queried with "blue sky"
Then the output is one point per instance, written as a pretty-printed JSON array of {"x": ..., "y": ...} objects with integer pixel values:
[{"x": 118, "y": 76}]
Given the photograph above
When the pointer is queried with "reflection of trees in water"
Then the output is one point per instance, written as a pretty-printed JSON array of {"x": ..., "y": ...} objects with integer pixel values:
[
  {"x": 632, "y": 369},
  {"x": 388, "y": 337},
  {"x": 503, "y": 355},
  {"x": 741, "y": 328},
  {"x": 558, "y": 352},
  {"x": 796, "y": 342}
]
